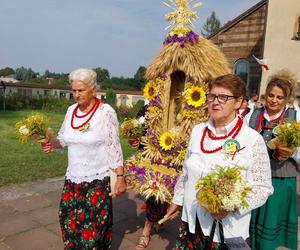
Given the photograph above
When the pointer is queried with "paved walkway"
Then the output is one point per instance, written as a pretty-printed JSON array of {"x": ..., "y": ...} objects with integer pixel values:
[{"x": 29, "y": 221}]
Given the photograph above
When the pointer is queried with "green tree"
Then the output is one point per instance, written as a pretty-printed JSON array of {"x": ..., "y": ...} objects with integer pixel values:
[
  {"x": 211, "y": 25},
  {"x": 111, "y": 97},
  {"x": 6, "y": 71},
  {"x": 24, "y": 74},
  {"x": 47, "y": 73},
  {"x": 139, "y": 77},
  {"x": 102, "y": 74}
]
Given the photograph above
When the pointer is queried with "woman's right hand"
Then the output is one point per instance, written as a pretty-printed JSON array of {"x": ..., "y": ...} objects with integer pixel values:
[{"x": 47, "y": 147}]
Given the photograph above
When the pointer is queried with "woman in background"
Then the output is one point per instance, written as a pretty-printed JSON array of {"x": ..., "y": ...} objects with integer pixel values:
[{"x": 276, "y": 223}]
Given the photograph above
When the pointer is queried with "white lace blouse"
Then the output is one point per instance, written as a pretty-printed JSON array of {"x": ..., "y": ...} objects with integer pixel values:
[
  {"x": 257, "y": 172},
  {"x": 93, "y": 152}
]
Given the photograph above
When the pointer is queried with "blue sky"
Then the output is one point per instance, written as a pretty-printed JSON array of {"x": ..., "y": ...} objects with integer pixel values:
[{"x": 119, "y": 35}]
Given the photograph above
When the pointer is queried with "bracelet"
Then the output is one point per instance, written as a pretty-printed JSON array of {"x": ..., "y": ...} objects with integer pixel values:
[{"x": 120, "y": 175}]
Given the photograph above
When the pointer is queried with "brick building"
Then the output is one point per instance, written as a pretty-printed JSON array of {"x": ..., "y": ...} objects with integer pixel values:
[
  {"x": 242, "y": 38},
  {"x": 269, "y": 30}
]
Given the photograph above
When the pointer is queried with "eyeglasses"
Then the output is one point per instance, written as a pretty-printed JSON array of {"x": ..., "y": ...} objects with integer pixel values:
[{"x": 221, "y": 98}]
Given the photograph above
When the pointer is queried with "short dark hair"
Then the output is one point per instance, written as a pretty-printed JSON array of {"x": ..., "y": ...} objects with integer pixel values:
[{"x": 231, "y": 82}]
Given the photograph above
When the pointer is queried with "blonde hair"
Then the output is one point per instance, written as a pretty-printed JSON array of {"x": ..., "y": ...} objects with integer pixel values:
[
  {"x": 284, "y": 80},
  {"x": 87, "y": 76}
]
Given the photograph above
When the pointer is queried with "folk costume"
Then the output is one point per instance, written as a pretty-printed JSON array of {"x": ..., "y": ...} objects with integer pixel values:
[
  {"x": 206, "y": 151},
  {"x": 275, "y": 224},
  {"x": 85, "y": 211}
]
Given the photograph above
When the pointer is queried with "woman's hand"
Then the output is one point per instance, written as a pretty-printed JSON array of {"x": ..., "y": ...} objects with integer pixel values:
[
  {"x": 120, "y": 186},
  {"x": 283, "y": 153},
  {"x": 221, "y": 215},
  {"x": 134, "y": 142},
  {"x": 46, "y": 147}
]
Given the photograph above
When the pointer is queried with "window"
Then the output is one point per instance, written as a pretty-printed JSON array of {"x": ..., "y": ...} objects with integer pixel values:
[
  {"x": 297, "y": 29},
  {"x": 123, "y": 100},
  {"x": 241, "y": 68}
]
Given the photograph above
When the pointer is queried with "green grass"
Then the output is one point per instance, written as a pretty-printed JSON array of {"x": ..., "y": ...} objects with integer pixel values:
[{"x": 21, "y": 162}]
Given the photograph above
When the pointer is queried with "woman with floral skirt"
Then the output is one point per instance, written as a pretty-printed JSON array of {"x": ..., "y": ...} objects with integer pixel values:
[{"x": 91, "y": 133}]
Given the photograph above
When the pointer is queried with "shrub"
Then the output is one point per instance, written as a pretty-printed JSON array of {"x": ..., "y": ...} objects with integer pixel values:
[{"x": 17, "y": 102}]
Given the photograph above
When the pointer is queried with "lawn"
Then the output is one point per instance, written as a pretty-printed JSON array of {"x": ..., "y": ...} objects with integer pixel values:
[{"x": 21, "y": 162}]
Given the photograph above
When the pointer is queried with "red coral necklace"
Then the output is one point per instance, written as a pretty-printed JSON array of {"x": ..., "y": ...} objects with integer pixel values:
[
  {"x": 277, "y": 121},
  {"x": 91, "y": 113},
  {"x": 234, "y": 132}
]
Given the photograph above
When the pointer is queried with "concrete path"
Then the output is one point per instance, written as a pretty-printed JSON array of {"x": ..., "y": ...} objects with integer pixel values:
[{"x": 29, "y": 221}]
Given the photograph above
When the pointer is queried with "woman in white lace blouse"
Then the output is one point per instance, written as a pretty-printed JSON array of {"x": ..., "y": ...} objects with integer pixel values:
[
  {"x": 91, "y": 133},
  {"x": 205, "y": 151}
]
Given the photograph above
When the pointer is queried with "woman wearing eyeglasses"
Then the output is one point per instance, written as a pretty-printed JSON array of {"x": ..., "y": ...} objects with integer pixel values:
[
  {"x": 276, "y": 223},
  {"x": 207, "y": 149}
]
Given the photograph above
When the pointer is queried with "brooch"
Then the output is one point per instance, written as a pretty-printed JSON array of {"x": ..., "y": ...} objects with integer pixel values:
[
  {"x": 84, "y": 128},
  {"x": 231, "y": 147}
]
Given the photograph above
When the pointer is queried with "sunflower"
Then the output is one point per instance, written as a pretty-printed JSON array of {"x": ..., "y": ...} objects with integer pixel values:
[
  {"x": 195, "y": 96},
  {"x": 166, "y": 141},
  {"x": 150, "y": 91}
]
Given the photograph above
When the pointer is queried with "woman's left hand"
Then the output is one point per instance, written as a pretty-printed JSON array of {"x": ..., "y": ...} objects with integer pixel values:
[
  {"x": 221, "y": 215},
  {"x": 120, "y": 186}
]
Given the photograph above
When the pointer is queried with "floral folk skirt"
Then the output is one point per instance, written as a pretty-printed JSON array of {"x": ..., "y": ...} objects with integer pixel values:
[
  {"x": 187, "y": 240},
  {"x": 85, "y": 215}
]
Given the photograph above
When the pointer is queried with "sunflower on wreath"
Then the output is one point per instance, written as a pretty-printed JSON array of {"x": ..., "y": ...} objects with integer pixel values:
[
  {"x": 195, "y": 96},
  {"x": 150, "y": 91},
  {"x": 167, "y": 141}
]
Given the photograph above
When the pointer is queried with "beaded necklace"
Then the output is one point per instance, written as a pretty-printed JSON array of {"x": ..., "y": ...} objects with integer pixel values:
[
  {"x": 276, "y": 122},
  {"x": 91, "y": 112},
  {"x": 234, "y": 132}
]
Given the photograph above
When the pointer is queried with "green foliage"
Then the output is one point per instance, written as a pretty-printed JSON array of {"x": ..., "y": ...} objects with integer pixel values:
[
  {"x": 27, "y": 75},
  {"x": 24, "y": 74},
  {"x": 102, "y": 74},
  {"x": 26, "y": 162},
  {"x": 121, "y": 83},
  {"x": 139, "y": 77},
  {"x": 111, "y": 97},
  {"x": 122, "y": 112},
  {"x": 17, "y": 102},
  {"x": 6, "y": 71},
  {"x": 289, "y": 133},
  {"x": 136, "y": 108},
  {"x": 129, "y": 112},
  {"x": 211, "y": 25}
]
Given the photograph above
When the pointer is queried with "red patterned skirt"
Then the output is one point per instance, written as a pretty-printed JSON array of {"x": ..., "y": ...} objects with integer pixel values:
[{"x": 85, "y": 215}]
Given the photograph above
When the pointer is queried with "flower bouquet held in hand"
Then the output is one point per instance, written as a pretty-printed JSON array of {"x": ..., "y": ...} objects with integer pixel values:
[
  {"x": 133, "y": 130},
  {"x": 287, "y": 136},
  {"x": 34, "y": 127},
  {"x": 223, "y": 190}
]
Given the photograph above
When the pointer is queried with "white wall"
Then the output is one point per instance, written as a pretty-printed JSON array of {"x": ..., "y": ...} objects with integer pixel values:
[{"x": 280, "y": 50}]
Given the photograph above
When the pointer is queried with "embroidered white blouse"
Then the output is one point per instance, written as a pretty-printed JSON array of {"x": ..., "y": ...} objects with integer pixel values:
[
  {"x": 93, "y": 152},
  {"x": 254, "y": 158}
]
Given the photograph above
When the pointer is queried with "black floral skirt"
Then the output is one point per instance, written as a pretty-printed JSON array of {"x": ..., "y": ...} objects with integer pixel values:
[
  {"x": 187, "y": 240},
  {"x": 85, "y": 215}
]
